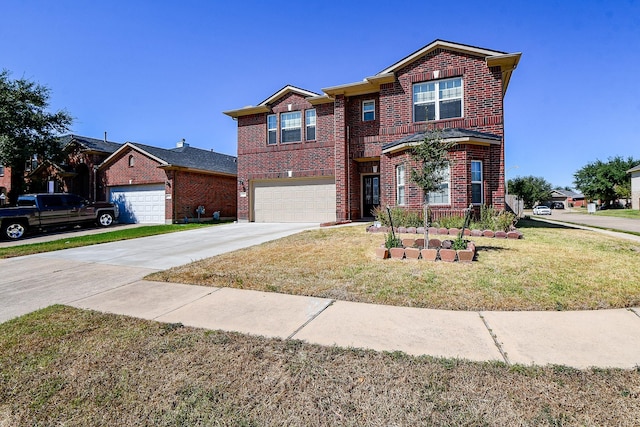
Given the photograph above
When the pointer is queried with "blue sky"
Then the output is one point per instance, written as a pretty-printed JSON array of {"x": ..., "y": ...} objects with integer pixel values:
[{"x": 155, "y": 72}]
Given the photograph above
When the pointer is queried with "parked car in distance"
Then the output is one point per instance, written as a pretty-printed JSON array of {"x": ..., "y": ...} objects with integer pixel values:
[
  {"x": 557, "y": 205},
  {"x": 541, "y": 210}
]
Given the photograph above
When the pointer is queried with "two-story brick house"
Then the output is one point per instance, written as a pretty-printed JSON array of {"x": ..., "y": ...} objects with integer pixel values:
[{"x": 305, "y": 156}]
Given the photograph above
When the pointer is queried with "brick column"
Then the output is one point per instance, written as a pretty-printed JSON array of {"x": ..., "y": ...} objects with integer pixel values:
[{"x": 340, "y": 158}]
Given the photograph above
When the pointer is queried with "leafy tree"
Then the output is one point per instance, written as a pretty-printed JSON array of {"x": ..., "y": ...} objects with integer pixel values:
[
  {"x": 26, "y": 128},
  {"x": 530, "y": 189},
  {"x": 431, "y": 154},
  {"x": 606, "y": 181}
]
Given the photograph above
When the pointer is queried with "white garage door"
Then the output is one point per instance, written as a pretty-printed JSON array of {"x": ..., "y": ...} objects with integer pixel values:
[
  {"x": 310, "y": 200},
  {"x": 141, "y": 204}
]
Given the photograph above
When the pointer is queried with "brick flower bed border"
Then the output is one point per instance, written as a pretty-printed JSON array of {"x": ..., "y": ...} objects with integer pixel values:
[
  {"x": 436, "y": 249},
  {"x": 454, "y": 232}
]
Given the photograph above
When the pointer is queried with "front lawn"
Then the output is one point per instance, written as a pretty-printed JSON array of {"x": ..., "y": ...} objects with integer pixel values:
[
  {"x": 63, "y": 366},
  {"x": 552, "y": 268}
]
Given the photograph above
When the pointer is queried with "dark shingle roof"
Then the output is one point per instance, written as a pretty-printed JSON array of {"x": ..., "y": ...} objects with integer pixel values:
[
  {"x": 91, "y": 143},
  {"x": 448, "y": 133},
  {"x": 193, "y": 158}
]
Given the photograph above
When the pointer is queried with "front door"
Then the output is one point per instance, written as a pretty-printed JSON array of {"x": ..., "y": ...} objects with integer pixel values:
[{"x": 370, "y": 194}]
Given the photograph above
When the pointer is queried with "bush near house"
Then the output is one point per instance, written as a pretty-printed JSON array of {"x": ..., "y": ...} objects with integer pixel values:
[{"x": 487, "y": 219}]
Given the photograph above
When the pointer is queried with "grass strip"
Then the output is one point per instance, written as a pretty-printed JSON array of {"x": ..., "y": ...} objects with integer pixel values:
[
  {"x": 63, "y": 366},
  {"x": 94, "y": 239}
]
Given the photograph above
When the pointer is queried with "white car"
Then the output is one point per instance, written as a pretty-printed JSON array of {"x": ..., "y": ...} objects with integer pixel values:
[{"x": 541, "y": 210}]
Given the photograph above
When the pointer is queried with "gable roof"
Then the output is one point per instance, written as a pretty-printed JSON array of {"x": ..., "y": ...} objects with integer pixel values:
[
  {"x": 494, "y": 58},
  {"x": 89, "y": 144},
  {"x": 567, "y": 193},
  {"x": 265, "y": 106},
  {"x": 460, "y": 135},
  {"x": 634, "y": 169},
  {"x": 506, "y": 61},
  {"x": 184, "y": 157}
]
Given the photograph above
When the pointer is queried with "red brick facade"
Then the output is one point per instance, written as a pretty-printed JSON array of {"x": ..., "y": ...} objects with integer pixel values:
[
  {"x": 184, "y": 190},
  {"x": 349, "y": 148}
]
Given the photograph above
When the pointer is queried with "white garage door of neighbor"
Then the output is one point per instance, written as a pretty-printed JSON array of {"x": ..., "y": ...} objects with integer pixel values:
[
  {"x": 139, "y": 204},
  {"x": 312, "y": 200}
]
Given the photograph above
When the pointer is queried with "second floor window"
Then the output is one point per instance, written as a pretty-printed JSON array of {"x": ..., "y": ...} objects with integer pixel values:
[
  {"x": 437, "y": 100},
  {"x": 400, "y": 186},
  {"x": 368, "y": 110},
  {"x": 310, "y": 120},
  {"x": 272, "y": 129},
  {"x": 291, "y": 126}
]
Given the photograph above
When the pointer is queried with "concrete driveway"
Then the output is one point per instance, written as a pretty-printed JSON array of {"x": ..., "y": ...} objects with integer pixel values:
[{"x": 62, "y": 277}]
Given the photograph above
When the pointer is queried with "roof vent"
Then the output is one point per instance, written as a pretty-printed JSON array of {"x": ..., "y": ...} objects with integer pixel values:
[{"x": 182, "y": 143}]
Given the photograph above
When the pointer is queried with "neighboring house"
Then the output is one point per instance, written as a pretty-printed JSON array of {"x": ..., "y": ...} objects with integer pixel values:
[
  {"x": 5, "y": 184},
  {"x": 305, "y": 156},
  {"x": 635, "y": 187},
  {"x": 568, "y": 198},
  {"x": 77, "y": 173},
  {"x": 155, "y": 185}
]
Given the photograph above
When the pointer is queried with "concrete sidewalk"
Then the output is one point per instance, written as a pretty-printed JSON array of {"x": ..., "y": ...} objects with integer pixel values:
[{"x": 581, "y": 339}]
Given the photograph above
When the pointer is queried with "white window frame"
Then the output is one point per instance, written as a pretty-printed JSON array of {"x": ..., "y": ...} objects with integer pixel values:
[
  {"x": 476, "y": 182},
  {"x": 442, "y": 196},
  {"x": 272, "y": 129},
  {"x": 368, "y": 106},
  {"x": 310, "y": 122},
  {"x": 401, "y": 187},
  {"x": 289, "y": 122},
  {"x": 438, "y": 93}
]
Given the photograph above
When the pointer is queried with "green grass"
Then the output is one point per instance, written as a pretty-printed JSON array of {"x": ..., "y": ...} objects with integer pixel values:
[
  {"x": 94, "y": 239},
  {"x": 618, "y": 213},
  {"x": 64, "y": 366}
]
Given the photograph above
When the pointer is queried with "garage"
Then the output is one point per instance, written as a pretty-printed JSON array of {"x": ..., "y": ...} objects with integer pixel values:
[
  {"x": 139, "y": 204},
  {"x": 295, "y": 200}
]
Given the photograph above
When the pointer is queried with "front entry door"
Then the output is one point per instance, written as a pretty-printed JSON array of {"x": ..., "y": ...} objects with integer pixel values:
[{"x": 370, "y": 194}]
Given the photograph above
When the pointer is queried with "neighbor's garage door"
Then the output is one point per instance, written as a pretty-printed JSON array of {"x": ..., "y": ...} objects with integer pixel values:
[
  {"x": 310, "y": 200},
  {"x": 142, "y": 204}
]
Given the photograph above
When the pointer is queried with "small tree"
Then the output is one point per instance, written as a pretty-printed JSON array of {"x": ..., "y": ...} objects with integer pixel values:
[
  {"x": 431, "y": 154},
  {"x": 26, "y": 128}
]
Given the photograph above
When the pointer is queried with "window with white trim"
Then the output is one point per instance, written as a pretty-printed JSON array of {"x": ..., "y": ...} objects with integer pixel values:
[
  {"x": 400, "y": 185},
  {"x": 310, "y": 122},
  {"x": 272, "y": 128},
  {"x": 291, "y": 127},
  {"x": 476, "y": 182},
  {"x": 368, "y": 110},
  {"x": 437, "y": 100},
  {"x": 441, "y": 195}
]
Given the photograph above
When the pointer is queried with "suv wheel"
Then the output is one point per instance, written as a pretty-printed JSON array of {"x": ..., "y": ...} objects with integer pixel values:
[
  {"x": 14, "y": 230},
  {"x": 105, "y": 219}
]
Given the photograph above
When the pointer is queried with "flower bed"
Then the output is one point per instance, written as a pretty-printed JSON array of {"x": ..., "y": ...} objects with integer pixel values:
[
  {"x": 435, "y": 250},
  {"x": 515, "y": 234}
]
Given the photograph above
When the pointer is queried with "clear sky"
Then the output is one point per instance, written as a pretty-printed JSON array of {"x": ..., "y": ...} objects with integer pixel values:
[{"x": 155, "y": 72}]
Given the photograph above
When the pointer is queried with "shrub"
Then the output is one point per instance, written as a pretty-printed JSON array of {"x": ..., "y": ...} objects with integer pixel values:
[
  {"x": 459, "y": 244},
  {"x": 453, "y": 221},
  {"x": 392, "y": 242},
  {"x": 401, "y": 217}
]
